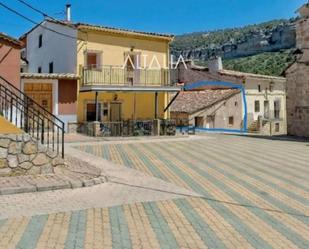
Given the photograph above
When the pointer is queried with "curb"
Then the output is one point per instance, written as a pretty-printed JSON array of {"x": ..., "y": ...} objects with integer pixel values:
[{"x": 45, "y": 186}]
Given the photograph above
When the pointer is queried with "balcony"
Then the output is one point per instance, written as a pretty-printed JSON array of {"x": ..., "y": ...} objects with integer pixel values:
[{"x": 119, "y": 77}]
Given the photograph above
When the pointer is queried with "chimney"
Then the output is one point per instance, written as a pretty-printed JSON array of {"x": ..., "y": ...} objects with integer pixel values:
[
  {"x": 215, "y": 65},
  {"x": 68, "y": 12}
]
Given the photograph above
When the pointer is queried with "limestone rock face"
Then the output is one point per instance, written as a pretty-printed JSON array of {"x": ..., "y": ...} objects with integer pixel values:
[{"x": 282, "y": 36}]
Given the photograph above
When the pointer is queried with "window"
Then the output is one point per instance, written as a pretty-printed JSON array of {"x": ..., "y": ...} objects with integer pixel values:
[
  {"x": 257, "y": 106},
  {"x": 39, "y": 69},
  {"x": 271, "y": 87},
  {"x": 259, "y": 88},
  {"x": 199, "y": 122},
  {"x": 105, "y": 110},
  {"x": 40, "y": 41},
  {"x": 51, "y": 67},
  {"x": 236, "y": 103},
  {"x": 277, "y": 109},
  {"x": 277, "y": 127},
  {"x": 91, "y": 112},
  {"x": 93, "y": 60},
  {"x": 231, "y": 120}
]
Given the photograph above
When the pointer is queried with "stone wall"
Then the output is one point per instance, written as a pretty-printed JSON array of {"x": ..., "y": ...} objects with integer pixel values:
[
  {"x": 21, "y": 154},
  {"x": 298, "y": 85},
  {"x": 298, "y": 100}
]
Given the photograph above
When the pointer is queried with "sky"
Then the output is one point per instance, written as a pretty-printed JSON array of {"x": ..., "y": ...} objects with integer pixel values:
[{"x": 165, "y": 16}]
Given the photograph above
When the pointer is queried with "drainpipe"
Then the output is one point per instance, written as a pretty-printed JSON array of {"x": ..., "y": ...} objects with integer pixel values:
[{"x": 156, "y": 105}]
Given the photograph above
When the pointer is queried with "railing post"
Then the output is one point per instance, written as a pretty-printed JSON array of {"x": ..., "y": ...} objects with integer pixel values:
[
  {"x": 62, "y": 152},
  {"x": 26, "y": 115},
  {"x": 42, "y": 131},
  {"x": 156, "y": 105},
  {"x": 110, "y": 75},
  {"x": 11, "y": 108}
]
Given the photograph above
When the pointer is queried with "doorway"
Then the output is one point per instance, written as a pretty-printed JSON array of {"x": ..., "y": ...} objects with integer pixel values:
[
  {"x": 115, "y": 119},
  {"x": 199, "y": 122},
  {"x": 115, "y": 112},
  {"x": 42, "y": 93}
]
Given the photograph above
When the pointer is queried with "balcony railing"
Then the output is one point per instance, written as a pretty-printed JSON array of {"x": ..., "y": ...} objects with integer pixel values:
[{"x": 119, "y": 76}]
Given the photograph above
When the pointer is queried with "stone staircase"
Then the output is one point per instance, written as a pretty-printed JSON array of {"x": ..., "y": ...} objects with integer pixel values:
[{"x": 254, "y": 127}]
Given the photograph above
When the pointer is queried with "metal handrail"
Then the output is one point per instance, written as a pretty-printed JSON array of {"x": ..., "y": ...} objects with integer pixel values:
[
  {"x": 31, "y": 116},
  {"x": 118, "y": 75}
]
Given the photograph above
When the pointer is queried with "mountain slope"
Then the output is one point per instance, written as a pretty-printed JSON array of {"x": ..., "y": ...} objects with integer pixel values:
[
  {"x": 256, "y": 48},
  {"x": 271, "y": 63}
]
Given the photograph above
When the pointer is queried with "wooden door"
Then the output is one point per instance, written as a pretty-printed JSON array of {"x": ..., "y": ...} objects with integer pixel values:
[
  {"x": 115, "y": 118},
  {"x": 115, "y": 112},
  {"x": 42, "y": 93}
]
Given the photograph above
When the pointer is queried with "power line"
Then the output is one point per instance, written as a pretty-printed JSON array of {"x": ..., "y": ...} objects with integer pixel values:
[
  {"x": 34, "y": 22},
  {"x": 35, "y": 9}
]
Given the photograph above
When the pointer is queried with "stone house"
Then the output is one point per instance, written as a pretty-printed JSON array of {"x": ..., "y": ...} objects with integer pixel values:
[
  {"x": 265, "y": 95},
  {"x": 209, "y": 109},
  {"x": 297, "y": 76}
]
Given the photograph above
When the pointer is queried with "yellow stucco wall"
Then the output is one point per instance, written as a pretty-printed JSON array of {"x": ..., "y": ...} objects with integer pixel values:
[
  {"x": 8, "y": 128},
  {"x": 144, "y": 104},
  {"x": 113, "y": 49}
]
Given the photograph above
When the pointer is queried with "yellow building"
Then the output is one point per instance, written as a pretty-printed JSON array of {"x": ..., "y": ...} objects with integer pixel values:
[
  {"x": 123, "y": 75},
  {"x": 128, "y": 70}
]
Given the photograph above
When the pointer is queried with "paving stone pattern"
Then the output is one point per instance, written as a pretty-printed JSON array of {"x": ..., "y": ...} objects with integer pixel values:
[{"x": 254, "y": 191}]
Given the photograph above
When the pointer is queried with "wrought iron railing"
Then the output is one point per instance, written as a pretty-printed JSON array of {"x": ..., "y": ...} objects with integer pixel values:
[
  {"x": 127, "y": 128},
  {"x": 130, "y": 128},
  {"x": 119, "y": 76},
  {"x": 31, "y": 117}
]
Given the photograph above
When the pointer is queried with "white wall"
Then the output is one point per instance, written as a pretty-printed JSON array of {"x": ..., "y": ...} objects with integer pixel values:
[
  {"x": 66, "y": 119},
  {"x": 60, "y": 50},
  {"x": 252, "y": 94}
]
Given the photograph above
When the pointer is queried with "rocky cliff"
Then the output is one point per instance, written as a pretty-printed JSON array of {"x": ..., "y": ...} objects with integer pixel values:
[{"x": 236, "y": 43}]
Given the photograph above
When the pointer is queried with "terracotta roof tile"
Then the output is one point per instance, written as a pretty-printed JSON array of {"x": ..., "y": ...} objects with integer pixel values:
[
  {"x": 64, "y": 76},
  {"x": 10, "y": 39},
  {"x": 242, "y": 74},
  {"x": 103, "y": 28},
  {"x": 113, "y": 29},
  {"x": 190, "y": 102}
]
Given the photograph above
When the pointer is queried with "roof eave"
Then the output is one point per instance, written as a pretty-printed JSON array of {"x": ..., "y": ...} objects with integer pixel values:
[{"x": 168, "y": 38}]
